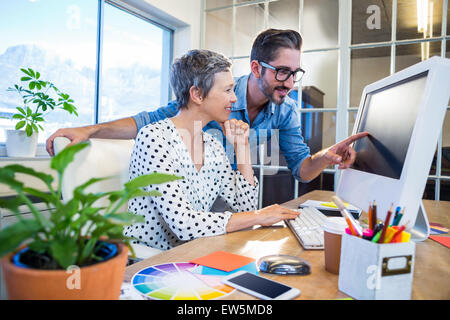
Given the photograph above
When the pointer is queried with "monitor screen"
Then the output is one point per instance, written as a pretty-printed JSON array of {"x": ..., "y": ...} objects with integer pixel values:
[{"x": 388, "y": 115}]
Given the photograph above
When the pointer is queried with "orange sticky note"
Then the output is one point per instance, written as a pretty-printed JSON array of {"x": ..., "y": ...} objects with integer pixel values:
[{"x": 223, "y": 261}]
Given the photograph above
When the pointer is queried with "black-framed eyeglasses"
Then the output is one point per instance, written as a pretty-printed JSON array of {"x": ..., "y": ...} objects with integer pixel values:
[{"x": 283, "y": 73}]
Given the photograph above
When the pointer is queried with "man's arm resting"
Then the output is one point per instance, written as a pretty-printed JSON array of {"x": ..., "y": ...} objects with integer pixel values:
[{"x": 119, "y": 129}]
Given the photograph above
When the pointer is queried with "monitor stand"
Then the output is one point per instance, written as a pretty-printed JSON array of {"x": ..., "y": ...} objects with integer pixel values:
[{"x": 421, "y": 229}]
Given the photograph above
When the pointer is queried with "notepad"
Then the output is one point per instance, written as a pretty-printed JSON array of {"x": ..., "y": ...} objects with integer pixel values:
[{"x": 222, "y": 260}]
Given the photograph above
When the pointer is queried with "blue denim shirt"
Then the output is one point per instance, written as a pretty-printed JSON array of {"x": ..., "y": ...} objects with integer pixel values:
[{"x": 282, "y": 120}]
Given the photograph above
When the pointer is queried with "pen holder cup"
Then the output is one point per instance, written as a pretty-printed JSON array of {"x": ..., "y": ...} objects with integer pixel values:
[{"x": 373, "y": 271}]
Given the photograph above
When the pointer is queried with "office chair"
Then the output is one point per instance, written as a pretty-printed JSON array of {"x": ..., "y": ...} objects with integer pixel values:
[{"x": 103, "y": 158}]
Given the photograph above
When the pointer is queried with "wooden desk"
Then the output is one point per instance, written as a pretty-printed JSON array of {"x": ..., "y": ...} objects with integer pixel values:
[{"x": 431, "y": 272}]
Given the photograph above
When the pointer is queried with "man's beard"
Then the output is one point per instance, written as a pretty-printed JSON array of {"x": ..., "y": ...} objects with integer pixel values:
[{"x": 270, "y": 92}]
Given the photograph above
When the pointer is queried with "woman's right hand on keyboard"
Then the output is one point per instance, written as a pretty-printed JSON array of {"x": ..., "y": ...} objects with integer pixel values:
[
  {"x": 275, "y": 213},
  {"x": 265, "y": 217}
]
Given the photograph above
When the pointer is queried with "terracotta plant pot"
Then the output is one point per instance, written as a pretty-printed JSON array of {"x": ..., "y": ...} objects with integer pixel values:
[{"x": 100, "y": 281}]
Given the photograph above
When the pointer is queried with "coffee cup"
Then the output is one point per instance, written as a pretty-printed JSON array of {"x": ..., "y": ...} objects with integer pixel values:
[{"x": 333, "y": 229}]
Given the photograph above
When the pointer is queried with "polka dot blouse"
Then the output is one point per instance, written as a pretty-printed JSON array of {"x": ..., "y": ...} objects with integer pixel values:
[{"x": 182, "y": 213}]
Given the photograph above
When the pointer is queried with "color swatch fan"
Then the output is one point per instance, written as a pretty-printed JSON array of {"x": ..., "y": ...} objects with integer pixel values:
[{"x": 175, "y": 281}]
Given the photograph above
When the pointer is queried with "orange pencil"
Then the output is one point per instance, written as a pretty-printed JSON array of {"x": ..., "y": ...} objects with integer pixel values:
[
  {"x": 350, "y": 226},
  {"x": 353, "y": 225},
  {"x": 370, "y": 213}
]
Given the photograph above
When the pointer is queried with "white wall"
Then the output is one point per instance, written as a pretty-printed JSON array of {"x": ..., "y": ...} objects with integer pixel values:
[{"x": 182, "y": 15}]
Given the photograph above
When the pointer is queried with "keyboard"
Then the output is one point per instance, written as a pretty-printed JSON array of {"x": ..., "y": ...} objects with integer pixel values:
[{"x": 307, "y": 228}]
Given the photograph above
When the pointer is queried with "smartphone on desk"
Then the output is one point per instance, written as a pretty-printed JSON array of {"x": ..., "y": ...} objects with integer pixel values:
[{"x": 260, "y": 287}]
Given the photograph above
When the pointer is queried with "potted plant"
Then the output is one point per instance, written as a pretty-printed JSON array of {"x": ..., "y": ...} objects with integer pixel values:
[
  {"x": 38, "y": 102},
  {"x": 79, "y": 252}
]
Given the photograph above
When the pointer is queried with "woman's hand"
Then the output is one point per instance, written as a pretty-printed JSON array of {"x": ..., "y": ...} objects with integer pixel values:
[
  {"x": 237, "y": 132},
  {"x": 264, "y": 217},
  {"x": 275, "y": 213}
]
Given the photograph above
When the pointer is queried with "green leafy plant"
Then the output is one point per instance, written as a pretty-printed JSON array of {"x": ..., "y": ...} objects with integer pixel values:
[
  {"x": 38, "y": 101},
  {"x": 70, "y": 236}
]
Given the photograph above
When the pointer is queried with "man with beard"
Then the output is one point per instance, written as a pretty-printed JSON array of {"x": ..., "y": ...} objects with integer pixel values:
[{"x": 262, "y": 102}]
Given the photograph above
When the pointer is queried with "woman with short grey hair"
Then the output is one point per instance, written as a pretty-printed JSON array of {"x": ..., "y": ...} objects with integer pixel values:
[{"x": 203, "y": 85}]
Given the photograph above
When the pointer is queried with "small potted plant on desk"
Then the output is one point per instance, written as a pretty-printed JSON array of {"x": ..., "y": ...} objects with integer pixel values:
[
  {"x": 38, "y": 102},
  {"x": 79, "y": 252}
]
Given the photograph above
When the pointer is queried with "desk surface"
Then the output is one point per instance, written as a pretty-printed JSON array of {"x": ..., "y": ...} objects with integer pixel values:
[{"x": 431, "y": 272}]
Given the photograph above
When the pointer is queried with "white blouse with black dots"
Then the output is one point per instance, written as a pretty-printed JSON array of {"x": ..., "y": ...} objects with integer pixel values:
[{"x": 182, "y": 213}]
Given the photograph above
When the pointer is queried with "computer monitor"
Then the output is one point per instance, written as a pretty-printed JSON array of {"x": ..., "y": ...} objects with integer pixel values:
[{"x": 403, "y": 114}]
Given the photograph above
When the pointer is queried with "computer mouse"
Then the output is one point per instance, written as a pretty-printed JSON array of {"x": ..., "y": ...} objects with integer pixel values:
[{"x": 284, "y": 264}]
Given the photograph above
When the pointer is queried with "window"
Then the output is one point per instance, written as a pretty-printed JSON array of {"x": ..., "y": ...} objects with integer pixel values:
[
  {"x": 133, "y": 61},
  {"x": 346, "y": 45},
  {"x": 380, "y": 52},
  {"x": 60, "y": 40},
  {"x": 320, "y": 59}
]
